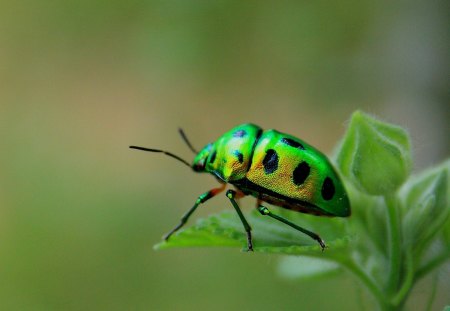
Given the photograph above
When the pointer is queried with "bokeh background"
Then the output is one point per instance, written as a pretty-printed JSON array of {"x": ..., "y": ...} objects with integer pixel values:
[{"x": 81, "y": 80}]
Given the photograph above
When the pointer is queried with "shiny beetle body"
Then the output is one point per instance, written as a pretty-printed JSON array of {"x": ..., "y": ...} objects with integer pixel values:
[
  {"x": 276, "y": 168},
  {"x": 273, "y": 167}
]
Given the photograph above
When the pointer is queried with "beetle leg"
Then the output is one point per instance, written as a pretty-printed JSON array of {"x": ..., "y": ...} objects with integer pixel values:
[
  {"x": 231, "y": 194},
  {"x": 239, "y": 195},
  {"x": 201, "y": 199},
  {"x": 265, "y": 211},
  {"x": 258, "y": 203}
]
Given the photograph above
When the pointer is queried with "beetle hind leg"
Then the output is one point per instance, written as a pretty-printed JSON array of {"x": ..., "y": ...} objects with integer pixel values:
[{"x": 265, "y": 211}]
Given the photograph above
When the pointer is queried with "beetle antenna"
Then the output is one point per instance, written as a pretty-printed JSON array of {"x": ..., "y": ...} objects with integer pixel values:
[
  {"x": 162, "y": 151},
  {"x": 186, "y": 140}
]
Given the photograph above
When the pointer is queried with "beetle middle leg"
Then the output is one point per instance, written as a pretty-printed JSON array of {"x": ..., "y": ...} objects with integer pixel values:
[
  {"x": 239, "y": 195},
  {"x": 265, "y": 211},
  {"x": 201, "y": 199},
  {"x": 231, "y": 194}
]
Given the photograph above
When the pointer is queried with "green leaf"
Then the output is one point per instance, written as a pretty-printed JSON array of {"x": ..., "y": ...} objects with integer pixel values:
[
  {"x": 374, "y": 155},
  {"x": 446, "y": 231},
  {"x": 269, "y": 235},
  {"x": 305, "y": 267},
  {"x": 368, "y": 220},
  {"x": 425, "y": 206}
]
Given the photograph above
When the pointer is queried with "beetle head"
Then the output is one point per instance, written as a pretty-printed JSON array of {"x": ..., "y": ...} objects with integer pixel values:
[{"x": 199, "y": 162}]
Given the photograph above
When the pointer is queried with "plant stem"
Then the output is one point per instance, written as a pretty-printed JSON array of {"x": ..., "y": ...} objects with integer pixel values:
[
  {"x": 407, "y": 282},
  {"x": 394, "y": 240}
]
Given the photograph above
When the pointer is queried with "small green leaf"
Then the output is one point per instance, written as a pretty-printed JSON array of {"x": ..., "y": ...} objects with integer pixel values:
[
  {"x": 269, "y": 236},
  {"x": 425, "y": 206},
  {"x": 446, "y": 230},
  {"x": 374, "y": 155},
  {"x": 305, "y": 267},
  {"x": 368, "y": 220}
]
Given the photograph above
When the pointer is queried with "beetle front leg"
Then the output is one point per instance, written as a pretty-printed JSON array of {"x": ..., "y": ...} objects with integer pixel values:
[
  {"x": 265, "y": 211},
  {"x": 231, "y": 194},
  {"x": 201, "y": 199}
]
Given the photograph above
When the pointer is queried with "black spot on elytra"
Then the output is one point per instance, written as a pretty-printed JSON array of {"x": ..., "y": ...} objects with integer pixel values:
[
  {"x": 239, "y": 156},
  {"x": 328, "y": 189},
  {"x": 300, "y": 173},
  {"x": 292, "y": 143},
  {"x": 239, "y": 133},
  {"x": 213, "y": 157},
  {"x": 270, "y": 161}
]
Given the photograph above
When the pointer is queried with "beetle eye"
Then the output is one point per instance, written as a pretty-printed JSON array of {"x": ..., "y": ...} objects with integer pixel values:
[{"x": 199, "y": 166}]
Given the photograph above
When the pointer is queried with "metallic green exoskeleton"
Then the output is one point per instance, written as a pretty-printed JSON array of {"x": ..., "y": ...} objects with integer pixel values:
[{"x": 274, "y": 167}]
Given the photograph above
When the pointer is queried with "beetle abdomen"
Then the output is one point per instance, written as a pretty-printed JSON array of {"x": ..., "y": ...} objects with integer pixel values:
[{"x": 298, "y": 173}]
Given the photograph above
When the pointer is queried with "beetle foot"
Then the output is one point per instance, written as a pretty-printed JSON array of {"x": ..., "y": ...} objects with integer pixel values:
[{"x": 322, "y": 244}]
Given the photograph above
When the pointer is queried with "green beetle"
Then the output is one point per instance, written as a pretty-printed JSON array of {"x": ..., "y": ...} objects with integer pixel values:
[{"x": 273, "y": 167}]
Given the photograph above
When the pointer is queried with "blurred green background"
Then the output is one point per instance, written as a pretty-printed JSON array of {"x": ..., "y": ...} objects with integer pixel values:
[{"x": 81, "y": 80}]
